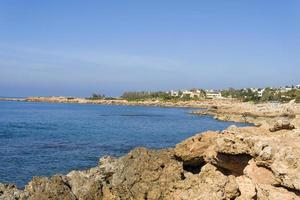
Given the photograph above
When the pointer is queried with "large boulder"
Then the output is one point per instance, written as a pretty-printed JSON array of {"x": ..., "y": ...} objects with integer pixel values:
[
  {"x": 246, "y": 188},
  {"x": 56, "y": 187},
  {"x": 259, "y": 174},
  {"x": 86, "y": 185},
  {"x": 210, "y": 184},
  {"x": 145, "y": 174},
  {"x": 282, "y": 124},
  {"x": 193, "y": 151}
]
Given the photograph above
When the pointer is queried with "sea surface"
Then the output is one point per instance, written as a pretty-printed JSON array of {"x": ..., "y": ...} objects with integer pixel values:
[{"x": 42, "y": 139}]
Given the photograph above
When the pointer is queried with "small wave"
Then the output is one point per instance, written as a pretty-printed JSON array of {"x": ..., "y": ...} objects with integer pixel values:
[
  {"x": 141, "y": 115},
  {"x": 36, "y": 126}
]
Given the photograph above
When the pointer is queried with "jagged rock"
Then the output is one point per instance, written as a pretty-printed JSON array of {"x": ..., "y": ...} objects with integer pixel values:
[
  {"x": 145, "y": 174},
  {"x": 108, "y": 165},
  {"x": 246, "y": 188},
  {"x": 44, "y": 188},
  {"x": 231, "y": 164},
  {"x": 210, "y": 184},
  {"x": 286, "y": 164},
  {"x": 282, "y": 124},
  {"x": 259, "y": 175},
  {"x": 9, "y": 191},
  {"x": 86, "y": 185},
  {"x": 193, "y": 150},
  {"x": 233, "y": 143},
  {"x": 268, "y": 192}
]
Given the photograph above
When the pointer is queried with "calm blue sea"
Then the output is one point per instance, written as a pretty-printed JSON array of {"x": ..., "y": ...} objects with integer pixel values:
[{"x": 42, "y": 139}]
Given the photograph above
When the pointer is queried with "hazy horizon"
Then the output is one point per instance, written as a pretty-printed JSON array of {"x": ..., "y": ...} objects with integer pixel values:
[{"x": 75, "y": 49}]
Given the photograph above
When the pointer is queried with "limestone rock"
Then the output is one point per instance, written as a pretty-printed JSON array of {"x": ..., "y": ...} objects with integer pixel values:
[
  {"x": 193, "y": 150},
  {"x": 86, "y": 185},
  {"x": 246, "y": 188},
  {"x": 55, "y": 187},
  {"x": 259, "y": 175},
  {"x": 145, "y": 174},
  {"x": 10, "y": 192},
  {"x": 267, "y": 192},
  {"x": 282, "y": 124},
  {"x": 210, "y": 184}
]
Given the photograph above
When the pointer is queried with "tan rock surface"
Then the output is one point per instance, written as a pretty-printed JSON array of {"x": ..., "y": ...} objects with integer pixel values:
[
  {"x": 9, "y": 191},
  {"x": 55, "y": 187}
]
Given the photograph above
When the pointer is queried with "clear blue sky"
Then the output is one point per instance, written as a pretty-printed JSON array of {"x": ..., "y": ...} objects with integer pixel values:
[{"x": 78, "y": 47}]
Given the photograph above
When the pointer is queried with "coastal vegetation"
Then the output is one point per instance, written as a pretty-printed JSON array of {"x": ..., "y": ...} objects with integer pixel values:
[
  {"x": 160, "y": 95},
  {"x": 145, "y": 95},
  {"x": 256, "y": 95},
  {"x": 96, "y": 96},
  {"x": 245, "y": 95},
  {"x": 263, "y": 95}
]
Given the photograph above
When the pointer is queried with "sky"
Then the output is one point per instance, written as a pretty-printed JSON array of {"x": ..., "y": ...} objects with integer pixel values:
[{"x": 75, "y": 48}]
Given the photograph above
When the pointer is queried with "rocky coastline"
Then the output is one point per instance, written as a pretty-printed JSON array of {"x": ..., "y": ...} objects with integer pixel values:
[
  {"x": 258, "y": 162},
  {"x": 179, "y": 103}
]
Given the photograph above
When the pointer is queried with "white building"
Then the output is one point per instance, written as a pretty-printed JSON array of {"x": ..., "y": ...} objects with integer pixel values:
[
  {"x": 260, "y": 92},
  {"x": 254, "y": 89},
  {"x": 213, "y": 95},
  {"x": 285, "y": 89},
  {"x": 288, "y": 88},
  {"x": 194, "y": 93},
  {"x": 174, "y": 93}
]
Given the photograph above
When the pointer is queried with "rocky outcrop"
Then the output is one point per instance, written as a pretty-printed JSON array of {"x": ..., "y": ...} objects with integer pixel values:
[
  {"x": 194, "y": 151},
  {"x": 144, "y": 174},
  {"x": 56, "y": 187},
  {"x": 257, "y": 114},
  {"x": 9, "y": 191},
  {"x": 282, "y": 124},
  {"x": 210, "y": 183},
  {"x": 237, "y": 163}
]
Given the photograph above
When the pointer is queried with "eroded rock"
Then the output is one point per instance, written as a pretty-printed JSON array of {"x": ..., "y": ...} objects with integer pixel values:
[
  {"x": 193, "y": 151},
  {"x": 56, "y": 187},
  {"x": 268, "y": 192},
  {"x": 281, "y": 125},
  {"x": 210, "y": 184},
  {"x": 9, "y": 191},
  {"x": 259, "y": 174}
]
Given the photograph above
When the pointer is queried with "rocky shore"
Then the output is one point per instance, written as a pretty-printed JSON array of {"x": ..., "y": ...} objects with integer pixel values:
[
  {"x": 190, "y": 103},
  {"x": 258, "y": 162},
  {"x": 251, "y": 113}
]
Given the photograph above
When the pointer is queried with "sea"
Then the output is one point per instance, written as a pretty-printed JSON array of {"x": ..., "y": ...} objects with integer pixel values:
[{"x": 43, "y": 139}]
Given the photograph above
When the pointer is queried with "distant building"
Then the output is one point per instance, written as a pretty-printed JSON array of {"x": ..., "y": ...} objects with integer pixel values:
[
  {"x": 192, "y": 93},
  {"x": 260, "y": 92},
  {"x": 254, "y": 89},
  {"x": 288, "y": 88},
  {"x": 298, "y": 86},
  {"x": 285, "y": 89},
  {"x": 174, "y": 93},
  {"x": 213, "y": 94}
]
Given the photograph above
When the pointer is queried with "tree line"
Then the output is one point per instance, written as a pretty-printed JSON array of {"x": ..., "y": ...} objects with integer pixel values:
[
  {"x": 269, "y": 94},
  {"x": 143, "y": 95}
]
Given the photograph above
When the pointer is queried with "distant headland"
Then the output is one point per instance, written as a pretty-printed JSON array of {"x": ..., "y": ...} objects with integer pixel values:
[{"x": 182, "y": 98}]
